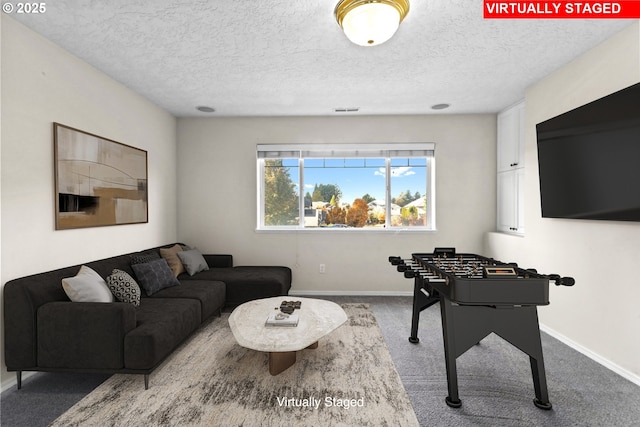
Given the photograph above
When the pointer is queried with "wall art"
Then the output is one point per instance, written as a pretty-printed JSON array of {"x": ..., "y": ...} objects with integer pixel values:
[{"x": 98, "y": 182}]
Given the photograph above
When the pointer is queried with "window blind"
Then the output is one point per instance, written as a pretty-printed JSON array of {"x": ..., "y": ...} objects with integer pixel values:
[{"x": 277, "y": 151}]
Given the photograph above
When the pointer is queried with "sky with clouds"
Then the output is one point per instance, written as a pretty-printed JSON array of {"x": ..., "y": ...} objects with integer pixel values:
[{"x": 356, "y": 182}]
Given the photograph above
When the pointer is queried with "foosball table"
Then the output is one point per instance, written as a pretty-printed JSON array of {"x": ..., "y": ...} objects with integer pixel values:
[{"x": 478, "y": 296}]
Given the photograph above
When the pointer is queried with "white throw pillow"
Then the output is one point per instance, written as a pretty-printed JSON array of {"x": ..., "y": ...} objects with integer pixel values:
[{"x": 87, "y": 286}]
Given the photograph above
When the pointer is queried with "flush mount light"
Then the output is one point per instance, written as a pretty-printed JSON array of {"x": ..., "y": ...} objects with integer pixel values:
[
  {"x": 205, "y": 109},
  {"x": 370, "y": 22}
]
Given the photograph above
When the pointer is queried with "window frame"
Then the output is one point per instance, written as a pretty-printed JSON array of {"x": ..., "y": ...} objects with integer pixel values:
[{"x": 384, "y": 151}]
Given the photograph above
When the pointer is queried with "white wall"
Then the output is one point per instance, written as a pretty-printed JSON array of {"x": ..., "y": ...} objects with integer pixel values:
[
  {"x": 601, "y": 313},
  {"x": 217, "y": 195},
  {"x": 41, "y": 83}
]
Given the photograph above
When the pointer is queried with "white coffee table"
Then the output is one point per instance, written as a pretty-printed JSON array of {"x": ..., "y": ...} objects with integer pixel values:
[{"x": 317, "y": 319}]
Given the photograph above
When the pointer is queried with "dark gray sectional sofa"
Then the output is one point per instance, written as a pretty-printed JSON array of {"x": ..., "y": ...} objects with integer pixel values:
[{"x": 45, "y": 331}]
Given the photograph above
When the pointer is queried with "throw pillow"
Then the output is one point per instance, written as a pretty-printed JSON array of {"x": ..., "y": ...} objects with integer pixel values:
[
  {"x": 124, "y": 287},
  {"x": 171, "y": 256},
  {"x": 154, "y": 276},
  {"x": 87, "y": 286},
  {"x": 142, "y": 258},
  {"x": 193, "y": 261}
]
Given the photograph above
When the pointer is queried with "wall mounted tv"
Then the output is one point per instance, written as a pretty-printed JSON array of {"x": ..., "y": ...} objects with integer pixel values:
[{"x": 589, "y": 160}]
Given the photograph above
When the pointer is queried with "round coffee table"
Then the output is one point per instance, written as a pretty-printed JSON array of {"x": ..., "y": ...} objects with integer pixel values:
[{"x": 317, "y": 318}]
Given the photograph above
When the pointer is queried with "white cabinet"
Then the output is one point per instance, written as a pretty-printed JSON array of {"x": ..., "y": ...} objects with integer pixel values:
[
  {"x": 510, "y": 173},
  {"x": 511, "y": 138},
  {"x": 510, "y": 201}
]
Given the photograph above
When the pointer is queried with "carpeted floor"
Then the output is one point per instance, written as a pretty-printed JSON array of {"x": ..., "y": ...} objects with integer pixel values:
[{"x": 494, "y": 381}]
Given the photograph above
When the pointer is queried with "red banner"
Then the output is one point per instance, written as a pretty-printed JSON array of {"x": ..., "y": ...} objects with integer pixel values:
[{"x": 629, "y": 9}]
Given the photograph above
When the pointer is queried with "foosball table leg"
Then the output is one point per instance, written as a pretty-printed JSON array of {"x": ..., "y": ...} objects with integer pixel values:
[
  {"x": 448, "y": 334},
  {"x": 422, "y": 300},
  {"x": 415, "y": 317},
  {"x": 540, "y": 384},
  {"x": 530, "y": 327}
]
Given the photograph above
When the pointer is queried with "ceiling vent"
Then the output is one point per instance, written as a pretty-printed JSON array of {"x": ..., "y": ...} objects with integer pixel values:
[{"x": 206, "y": 109}]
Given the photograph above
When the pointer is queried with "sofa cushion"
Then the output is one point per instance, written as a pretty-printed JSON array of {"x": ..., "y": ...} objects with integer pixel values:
[
  {"x": 162, "y": 324},
  {"x": 246, "y": 283},
  {"x": 193, "y": 261},
  {"x": 171, "y": 256},
  {"x": 154, "y": 275},
  {"x": 211, "y": 294},
  {"x": 83, "y": 336},
  {"x": 87, "y": 286},
  {"x": 123, "y": 287}
]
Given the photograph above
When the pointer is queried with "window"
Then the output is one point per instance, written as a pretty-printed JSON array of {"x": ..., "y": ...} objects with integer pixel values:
[{"x": 347, "y": 186}]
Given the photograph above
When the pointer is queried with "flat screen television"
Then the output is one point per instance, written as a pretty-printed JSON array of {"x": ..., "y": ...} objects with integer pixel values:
[{"x": 589, "y": 160}]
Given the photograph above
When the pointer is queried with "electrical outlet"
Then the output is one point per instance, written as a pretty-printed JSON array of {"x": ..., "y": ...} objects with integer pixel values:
[{"x": 322, "y": 269}]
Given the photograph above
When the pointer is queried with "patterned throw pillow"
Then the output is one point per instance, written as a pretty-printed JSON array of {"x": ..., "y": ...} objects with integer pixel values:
[
  {"x": 124, "y": 287},
  {"x": 154, "y": 276}
]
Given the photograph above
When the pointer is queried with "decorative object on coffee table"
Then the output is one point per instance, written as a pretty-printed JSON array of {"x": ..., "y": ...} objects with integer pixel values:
[
  {"x": 278, "y": 319},
  {"x": 288, "y": 307},
  {"x": 317, "y": 318}
]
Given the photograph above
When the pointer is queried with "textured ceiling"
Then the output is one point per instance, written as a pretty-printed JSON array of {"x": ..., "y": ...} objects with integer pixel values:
[{"x": 284, "y": 57}]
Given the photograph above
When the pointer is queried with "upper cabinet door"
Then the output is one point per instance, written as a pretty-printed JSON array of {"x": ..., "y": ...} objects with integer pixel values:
[{"x": 511, "y": 138}]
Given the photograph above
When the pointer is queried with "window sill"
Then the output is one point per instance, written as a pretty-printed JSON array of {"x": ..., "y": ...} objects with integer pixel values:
[
  {"x": 395, "y": 230},
  {"x": 511, "y": 233}
]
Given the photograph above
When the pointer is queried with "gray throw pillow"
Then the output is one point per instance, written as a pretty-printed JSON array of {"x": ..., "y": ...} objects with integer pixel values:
[
  {"x": 154, "y": 276},
  {"x": 193, "y": 261},
  {"x": 124, "y": 287}
]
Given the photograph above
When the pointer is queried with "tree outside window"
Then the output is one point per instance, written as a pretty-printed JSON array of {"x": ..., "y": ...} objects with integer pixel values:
[{"x": 281, "y": 205}]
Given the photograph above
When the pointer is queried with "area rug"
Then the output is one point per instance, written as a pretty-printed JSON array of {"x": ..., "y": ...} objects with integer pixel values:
[{"x": 349, "y": 380}]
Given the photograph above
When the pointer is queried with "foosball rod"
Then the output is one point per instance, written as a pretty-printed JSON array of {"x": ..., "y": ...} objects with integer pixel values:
[
  {"x": 556, "y": 278},
  {"x": 413, "y": 269},
  {"x": 404, "y": 266}
]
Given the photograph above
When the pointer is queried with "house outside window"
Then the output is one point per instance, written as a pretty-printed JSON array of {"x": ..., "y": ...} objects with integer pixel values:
[{"x": 373, "y": 187}]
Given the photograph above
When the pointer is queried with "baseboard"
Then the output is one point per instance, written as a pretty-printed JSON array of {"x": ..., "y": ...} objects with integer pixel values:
[
  {"x": 593, "y": 356},
  {"x": 303, "y": 293},
  {"x": 13, "y": 381}
]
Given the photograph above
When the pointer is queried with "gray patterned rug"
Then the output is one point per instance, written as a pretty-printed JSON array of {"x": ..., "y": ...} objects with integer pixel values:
[{"x": 349, "y": 380}]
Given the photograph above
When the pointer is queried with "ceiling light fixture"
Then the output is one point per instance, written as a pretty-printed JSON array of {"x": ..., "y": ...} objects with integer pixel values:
[{"x": 370, "y": 22}]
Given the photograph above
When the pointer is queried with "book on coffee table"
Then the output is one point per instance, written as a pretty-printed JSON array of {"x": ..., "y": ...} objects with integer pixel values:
[{"x": 277, "y": 319}]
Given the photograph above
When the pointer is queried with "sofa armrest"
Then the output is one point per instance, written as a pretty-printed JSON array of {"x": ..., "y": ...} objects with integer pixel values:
[
  {"x": 219, "y": 261},
  {"x": 83, "y": 335}
]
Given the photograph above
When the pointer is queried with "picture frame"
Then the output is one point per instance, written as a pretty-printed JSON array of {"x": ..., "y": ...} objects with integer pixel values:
[{"x": 98, "y": 181}]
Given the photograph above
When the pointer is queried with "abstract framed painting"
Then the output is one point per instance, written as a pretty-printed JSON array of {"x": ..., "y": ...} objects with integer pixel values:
[{"x": 98, "y": 182}]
